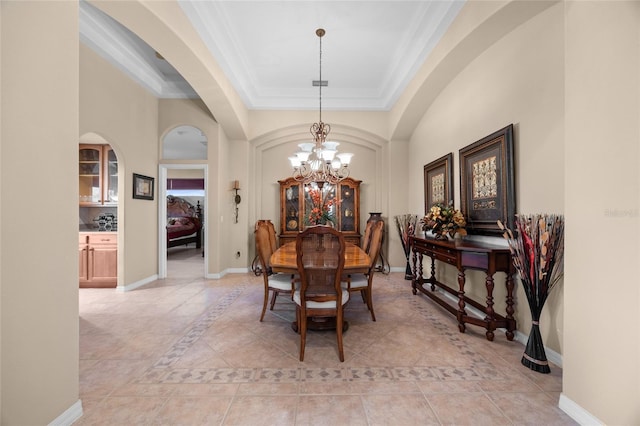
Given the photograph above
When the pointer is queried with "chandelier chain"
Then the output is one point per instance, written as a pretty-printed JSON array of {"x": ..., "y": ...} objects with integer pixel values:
[
  {"x": 320, "y": 161},
  {"x": 320, "y": 34}
]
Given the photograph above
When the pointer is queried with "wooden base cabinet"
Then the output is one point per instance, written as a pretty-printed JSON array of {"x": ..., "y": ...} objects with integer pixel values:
[{"x": 98, "y": 259}]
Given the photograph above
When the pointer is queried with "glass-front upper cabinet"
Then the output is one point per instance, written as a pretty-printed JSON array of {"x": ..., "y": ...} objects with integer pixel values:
[{"x": 98, "y": 175}]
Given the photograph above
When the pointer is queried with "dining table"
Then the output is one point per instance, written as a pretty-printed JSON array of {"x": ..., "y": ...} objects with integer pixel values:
[
  {"x": 356, "y": 260},
  {"x": 284, "y": 259}
]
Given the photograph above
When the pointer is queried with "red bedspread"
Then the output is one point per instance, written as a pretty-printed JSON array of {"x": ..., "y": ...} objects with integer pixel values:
[{"x": 182, "y": 227}]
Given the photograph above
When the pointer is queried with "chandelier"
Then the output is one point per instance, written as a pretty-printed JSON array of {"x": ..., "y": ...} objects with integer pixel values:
[{"x": 319, "y": 161}]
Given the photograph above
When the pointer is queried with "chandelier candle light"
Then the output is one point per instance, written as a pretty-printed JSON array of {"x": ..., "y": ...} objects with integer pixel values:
[{"x": 319, "y": 161}]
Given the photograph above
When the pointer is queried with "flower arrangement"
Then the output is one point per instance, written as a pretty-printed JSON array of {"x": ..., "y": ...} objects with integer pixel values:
[
  {"x": 444, "y": 220},
  {"x": 321, "y": 207},
  {"x": 537, "y": 251}
]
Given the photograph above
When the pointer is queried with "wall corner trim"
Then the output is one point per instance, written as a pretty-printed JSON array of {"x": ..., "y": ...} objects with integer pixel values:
[
  {"x": 69, "y": 416},
  {"x": 137, "y": 284},
  {"x": 576, "y": 412}
]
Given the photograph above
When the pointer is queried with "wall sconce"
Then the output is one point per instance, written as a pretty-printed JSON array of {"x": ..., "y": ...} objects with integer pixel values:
[{"x": 237, "y": 199}]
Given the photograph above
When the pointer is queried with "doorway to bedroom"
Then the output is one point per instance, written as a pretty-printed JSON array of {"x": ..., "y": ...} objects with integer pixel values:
[
  {"x": 183, "y": 219},
  {"x": 182, "y": 187}
]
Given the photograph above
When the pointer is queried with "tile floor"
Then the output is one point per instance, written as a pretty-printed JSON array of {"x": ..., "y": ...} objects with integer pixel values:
[{"x": 190, "y": 351}]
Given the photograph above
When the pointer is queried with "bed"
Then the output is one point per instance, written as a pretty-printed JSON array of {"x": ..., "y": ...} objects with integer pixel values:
[{"x": 184, "y": 222}]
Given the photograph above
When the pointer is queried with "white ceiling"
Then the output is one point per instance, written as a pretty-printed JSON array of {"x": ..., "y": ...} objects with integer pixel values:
[{"x": 270, "y": 52}]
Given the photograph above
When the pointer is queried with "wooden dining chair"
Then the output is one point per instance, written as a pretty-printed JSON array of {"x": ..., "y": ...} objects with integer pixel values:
[
  {"x": 320, "y": 261},
  {"x": 366, "y": 238},
  {"x": 363, "y": 283},
  {"x": 266, "y": 244}
]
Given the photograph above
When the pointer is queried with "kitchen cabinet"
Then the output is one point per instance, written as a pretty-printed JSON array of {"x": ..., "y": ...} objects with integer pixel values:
[
  {"x": 98, "y": 175},
  {"x": 98, "y": 259}
]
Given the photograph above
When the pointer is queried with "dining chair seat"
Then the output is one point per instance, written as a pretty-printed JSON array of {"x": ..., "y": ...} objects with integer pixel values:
[
  {"x": 280, "y": 282},
  {"x": 331, "y": 304},
  {"x": 357, "y": 282}
]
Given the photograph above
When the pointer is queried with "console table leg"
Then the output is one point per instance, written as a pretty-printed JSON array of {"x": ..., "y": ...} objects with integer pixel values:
[
  {"x": 415, "y": 277},
  {"x": 489, "y": 311},
  {"x": 461, "y": 304},
  {"x": 509, "y": 309},
  {"x": 433, "y": 274}
]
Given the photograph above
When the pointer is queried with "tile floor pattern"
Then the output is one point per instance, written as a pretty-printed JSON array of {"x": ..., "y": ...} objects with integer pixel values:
[{"x": 191, "y": 351}]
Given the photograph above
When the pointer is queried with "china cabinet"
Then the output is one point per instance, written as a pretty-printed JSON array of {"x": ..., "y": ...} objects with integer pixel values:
[
  {"x": 98, "y": 259},
  {"x": 98, "y": 175},
  {"x": 296, "y": 204}
]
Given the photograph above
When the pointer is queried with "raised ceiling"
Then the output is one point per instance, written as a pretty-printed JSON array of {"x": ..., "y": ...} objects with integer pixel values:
[{"x": 270, "y": 52}]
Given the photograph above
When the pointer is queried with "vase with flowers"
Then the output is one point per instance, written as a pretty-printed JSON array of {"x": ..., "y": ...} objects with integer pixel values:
[
  {"x": 321, "y": 207},
  {"x": 444, "y": 221}
]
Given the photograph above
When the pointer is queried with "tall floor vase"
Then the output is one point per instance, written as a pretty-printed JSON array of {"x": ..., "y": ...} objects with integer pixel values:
[
  {"x": 538, "y": 255},
  {"x": 534, "y": 356},
  {"x": 406, "y": 224}
]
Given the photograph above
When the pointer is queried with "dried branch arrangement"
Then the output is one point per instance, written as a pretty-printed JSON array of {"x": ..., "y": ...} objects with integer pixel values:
[
  {"x": 537, "y": 250},
  {"x": 406, "y": 224}
]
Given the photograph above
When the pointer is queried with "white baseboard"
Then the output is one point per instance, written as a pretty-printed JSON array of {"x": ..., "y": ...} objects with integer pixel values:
[
  {"x": 137, "y": 284},
  {"x": 552, "y": 355},
  {"x": 237, "y": 270},
  {"x": 70, "y": 415},
  {"x": 577, "y": 413},
  {"x": 215, "y": 276}
]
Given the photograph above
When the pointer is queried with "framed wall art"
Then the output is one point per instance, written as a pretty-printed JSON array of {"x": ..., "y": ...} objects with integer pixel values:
[
  {"x": 438, "y": 182},
  {"x": 487, "y": 188},
  {"x": 142, "y": 187}
]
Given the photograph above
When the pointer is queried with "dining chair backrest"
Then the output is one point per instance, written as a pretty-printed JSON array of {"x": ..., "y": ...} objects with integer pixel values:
[
  {"x": 271, "y": 231},
  {"x": 320, "y": 261},
  {"x": 275, "y": 283},
  {"x": 366, "y": 239},
  {"x": 375, "y": 243},
  {"x": 265, "y": 243}
]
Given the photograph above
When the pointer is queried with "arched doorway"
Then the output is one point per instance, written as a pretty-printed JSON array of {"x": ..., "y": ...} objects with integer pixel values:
[
  {"x": 185, "y": 182},
  {"x": 99, "y": 205}
]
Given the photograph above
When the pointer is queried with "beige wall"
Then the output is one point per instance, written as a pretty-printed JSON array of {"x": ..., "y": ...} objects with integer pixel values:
[
  {"x": 518, "y": 80},
  {"x": 39, "y": 144},
  {"x": 126, "y": 116},
  {"x": 602, "y": 303},
  {"x": 185, "y": 174}
]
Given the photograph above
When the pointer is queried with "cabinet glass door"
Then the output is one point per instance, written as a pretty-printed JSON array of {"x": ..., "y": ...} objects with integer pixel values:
[
  {"x": 90, "y": 175},
  {"x": 292, "y": 206},
  {"x": 111, "y": 176},
  {"x": 347, "y": 208}
]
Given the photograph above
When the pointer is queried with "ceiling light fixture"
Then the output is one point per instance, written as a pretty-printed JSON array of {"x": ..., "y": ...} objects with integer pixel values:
[{"x": 319, "y": 161}]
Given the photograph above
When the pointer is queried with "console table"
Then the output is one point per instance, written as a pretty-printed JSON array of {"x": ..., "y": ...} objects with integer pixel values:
[{"x": 465, "y": 255}]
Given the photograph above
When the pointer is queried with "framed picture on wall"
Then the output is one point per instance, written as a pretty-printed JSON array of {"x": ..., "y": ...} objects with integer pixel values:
[
  {"x": 142, "y": 187},
  {"x": 487, "y": 188},
  {"x": 438, "y": 182}
]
